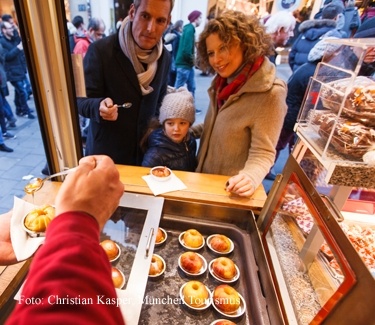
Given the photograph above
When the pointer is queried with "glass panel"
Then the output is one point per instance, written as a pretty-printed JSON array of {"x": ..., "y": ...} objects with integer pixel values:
[
  {"x": 125, "y": 228},
  {"x": 309, "y": 267}
]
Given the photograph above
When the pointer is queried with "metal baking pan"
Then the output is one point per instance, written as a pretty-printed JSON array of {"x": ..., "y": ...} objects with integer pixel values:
[{"x": 162, "y": 304}]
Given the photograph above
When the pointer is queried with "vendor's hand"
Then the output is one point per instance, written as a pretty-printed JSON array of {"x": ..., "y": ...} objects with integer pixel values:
[
  {"x": 94, "y": 188},
  {"x": 241, "y": 185},
  {"x": 7, "y": 255},
  {"x": 107, "y": 110}
]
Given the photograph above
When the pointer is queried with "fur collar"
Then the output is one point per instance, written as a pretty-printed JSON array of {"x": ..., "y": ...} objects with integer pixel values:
[{"x": 316, "y": 23}]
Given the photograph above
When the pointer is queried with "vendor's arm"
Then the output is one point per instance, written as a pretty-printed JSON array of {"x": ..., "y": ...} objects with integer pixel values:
[
  {"x": 70, "y": 275},
  {"x": 7, "y": 255}
]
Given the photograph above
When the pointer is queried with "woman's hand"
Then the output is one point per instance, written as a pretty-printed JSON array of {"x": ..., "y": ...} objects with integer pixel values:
[{"x": 241, "y": 185}]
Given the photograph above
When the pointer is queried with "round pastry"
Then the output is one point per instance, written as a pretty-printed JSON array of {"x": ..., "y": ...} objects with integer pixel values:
[
  {"x": 159, "y": 236},
  {"x": 220, "y": 243},
  {"x": 156, "y": 266},
  {"x": 195, "y": 294},
  {"x": 193, "y": 238},
  {"x": 226, "y": 298},
  {"x": 110, "y": 248},
  {"x": 117, "y": 278},
  {"x": 191, "y": 262},
  {"x": 224, "y": 268},
  {"x": 224, "y": 322},
  {"x": 38, "y": 219}
]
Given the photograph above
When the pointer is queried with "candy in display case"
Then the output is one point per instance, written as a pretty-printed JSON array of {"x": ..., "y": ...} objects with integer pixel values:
[
  {"x": 337, "y": 117},
  {"x": 321, "y": 263}
]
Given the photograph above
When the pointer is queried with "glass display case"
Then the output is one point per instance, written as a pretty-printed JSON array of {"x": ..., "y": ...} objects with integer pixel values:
[
  {"x": 312, "y": 252},
  {"x": 337, "y": 118}
]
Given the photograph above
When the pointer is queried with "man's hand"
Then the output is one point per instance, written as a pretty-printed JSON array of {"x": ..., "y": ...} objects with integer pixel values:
[{"x": 107, "y": 110}]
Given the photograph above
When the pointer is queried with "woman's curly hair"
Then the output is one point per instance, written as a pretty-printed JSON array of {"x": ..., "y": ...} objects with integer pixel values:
[{"x": 235, "y": 26}]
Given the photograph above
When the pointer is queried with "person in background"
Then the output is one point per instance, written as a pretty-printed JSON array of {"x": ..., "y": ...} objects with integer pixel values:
[
  {"x": 369, "y": 11},
  {"x": 15, "y": 68},
  {"x": 173, "y": 39},
  {"x": 318, "y": 15},
  {"x": 70, "y": 260},
  {"x": 300, "y": 16},
  {"x": 80, "y": 31},
  {"x": 169, "y": 142},
  {"x": 280, "y": 27},
  {"x": 119, "y": 23},
  {"x": 4, "y": 92},
  {"x": 352, "y": 19},
  {"x": 297, "y": 85},
  {"x": 348, "y": 58},
  {"x": 95, "y": 32},
  {"x": 3, "y": 124},
  {"x": 16, "y": 34},
  {"x": 3, "y": 146},
  {"x": 129, "y": 67},
  {"x": 312, "y": 31},
  {"x": 185, "y": 58},
  {"x": 247, "y": 102}
]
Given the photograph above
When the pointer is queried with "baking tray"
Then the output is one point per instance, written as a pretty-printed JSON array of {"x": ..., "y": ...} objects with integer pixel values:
[{"x": 166, "y": 287}]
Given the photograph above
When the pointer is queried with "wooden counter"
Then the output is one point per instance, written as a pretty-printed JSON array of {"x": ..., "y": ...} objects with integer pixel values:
[{"x": 201, "y": 188}]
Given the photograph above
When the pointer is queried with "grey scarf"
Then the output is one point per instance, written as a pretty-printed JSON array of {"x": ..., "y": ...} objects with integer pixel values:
[{"x": 137, "y": 56}]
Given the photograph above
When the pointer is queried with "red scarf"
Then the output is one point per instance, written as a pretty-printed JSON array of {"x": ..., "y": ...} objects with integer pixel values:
[{"x": 224, "y": 90}]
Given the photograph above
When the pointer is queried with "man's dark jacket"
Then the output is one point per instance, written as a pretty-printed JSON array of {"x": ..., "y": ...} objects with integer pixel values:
[
  {"x": 109, "y": 73},
  {"x": 15, "y": 61}
]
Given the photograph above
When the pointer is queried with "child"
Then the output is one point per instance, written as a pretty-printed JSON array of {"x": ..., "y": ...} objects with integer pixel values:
[{"x": 168, "y": 141}]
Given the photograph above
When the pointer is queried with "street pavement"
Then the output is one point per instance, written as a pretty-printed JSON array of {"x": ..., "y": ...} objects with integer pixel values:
[{"x": 28, "y": 157}]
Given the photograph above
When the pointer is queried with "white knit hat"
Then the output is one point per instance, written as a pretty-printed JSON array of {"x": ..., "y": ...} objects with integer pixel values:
[{"x": 177, "y": 103}]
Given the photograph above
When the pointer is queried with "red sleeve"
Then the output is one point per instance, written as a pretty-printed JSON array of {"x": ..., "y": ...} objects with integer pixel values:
[{"x": 69, "y": 281}]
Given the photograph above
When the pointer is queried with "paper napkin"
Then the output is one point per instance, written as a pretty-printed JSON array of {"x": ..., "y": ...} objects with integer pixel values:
[
  {"x": 157, "y": 187},
  {"x": 24, "y": 246}
]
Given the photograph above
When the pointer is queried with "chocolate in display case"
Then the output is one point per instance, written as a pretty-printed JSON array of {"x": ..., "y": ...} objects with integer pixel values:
[
  {"x": 337, "y": 118},
  {"x": 321, "y": 264}
]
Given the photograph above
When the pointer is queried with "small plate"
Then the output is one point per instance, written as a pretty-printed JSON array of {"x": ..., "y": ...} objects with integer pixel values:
[
  {"x": 181, "y": 240},
  {"x": 164, "y": 239},
  {"x": 201, "y": 271},
  {"x": 160, "y": 178},
  {"x": 208, "y": 303},
  {"x": 118, "y": 255},
  {"x": 208, "y": 240},
  {"x": 162, "y": 271},
  {"x": 234, "y": 279},
  {"x": 239, "y": 312},
  {"x": 123, "y": 277}
]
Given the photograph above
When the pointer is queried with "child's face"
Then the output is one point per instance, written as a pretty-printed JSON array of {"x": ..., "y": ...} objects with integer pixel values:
[{"x": 176, "y": 129}]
